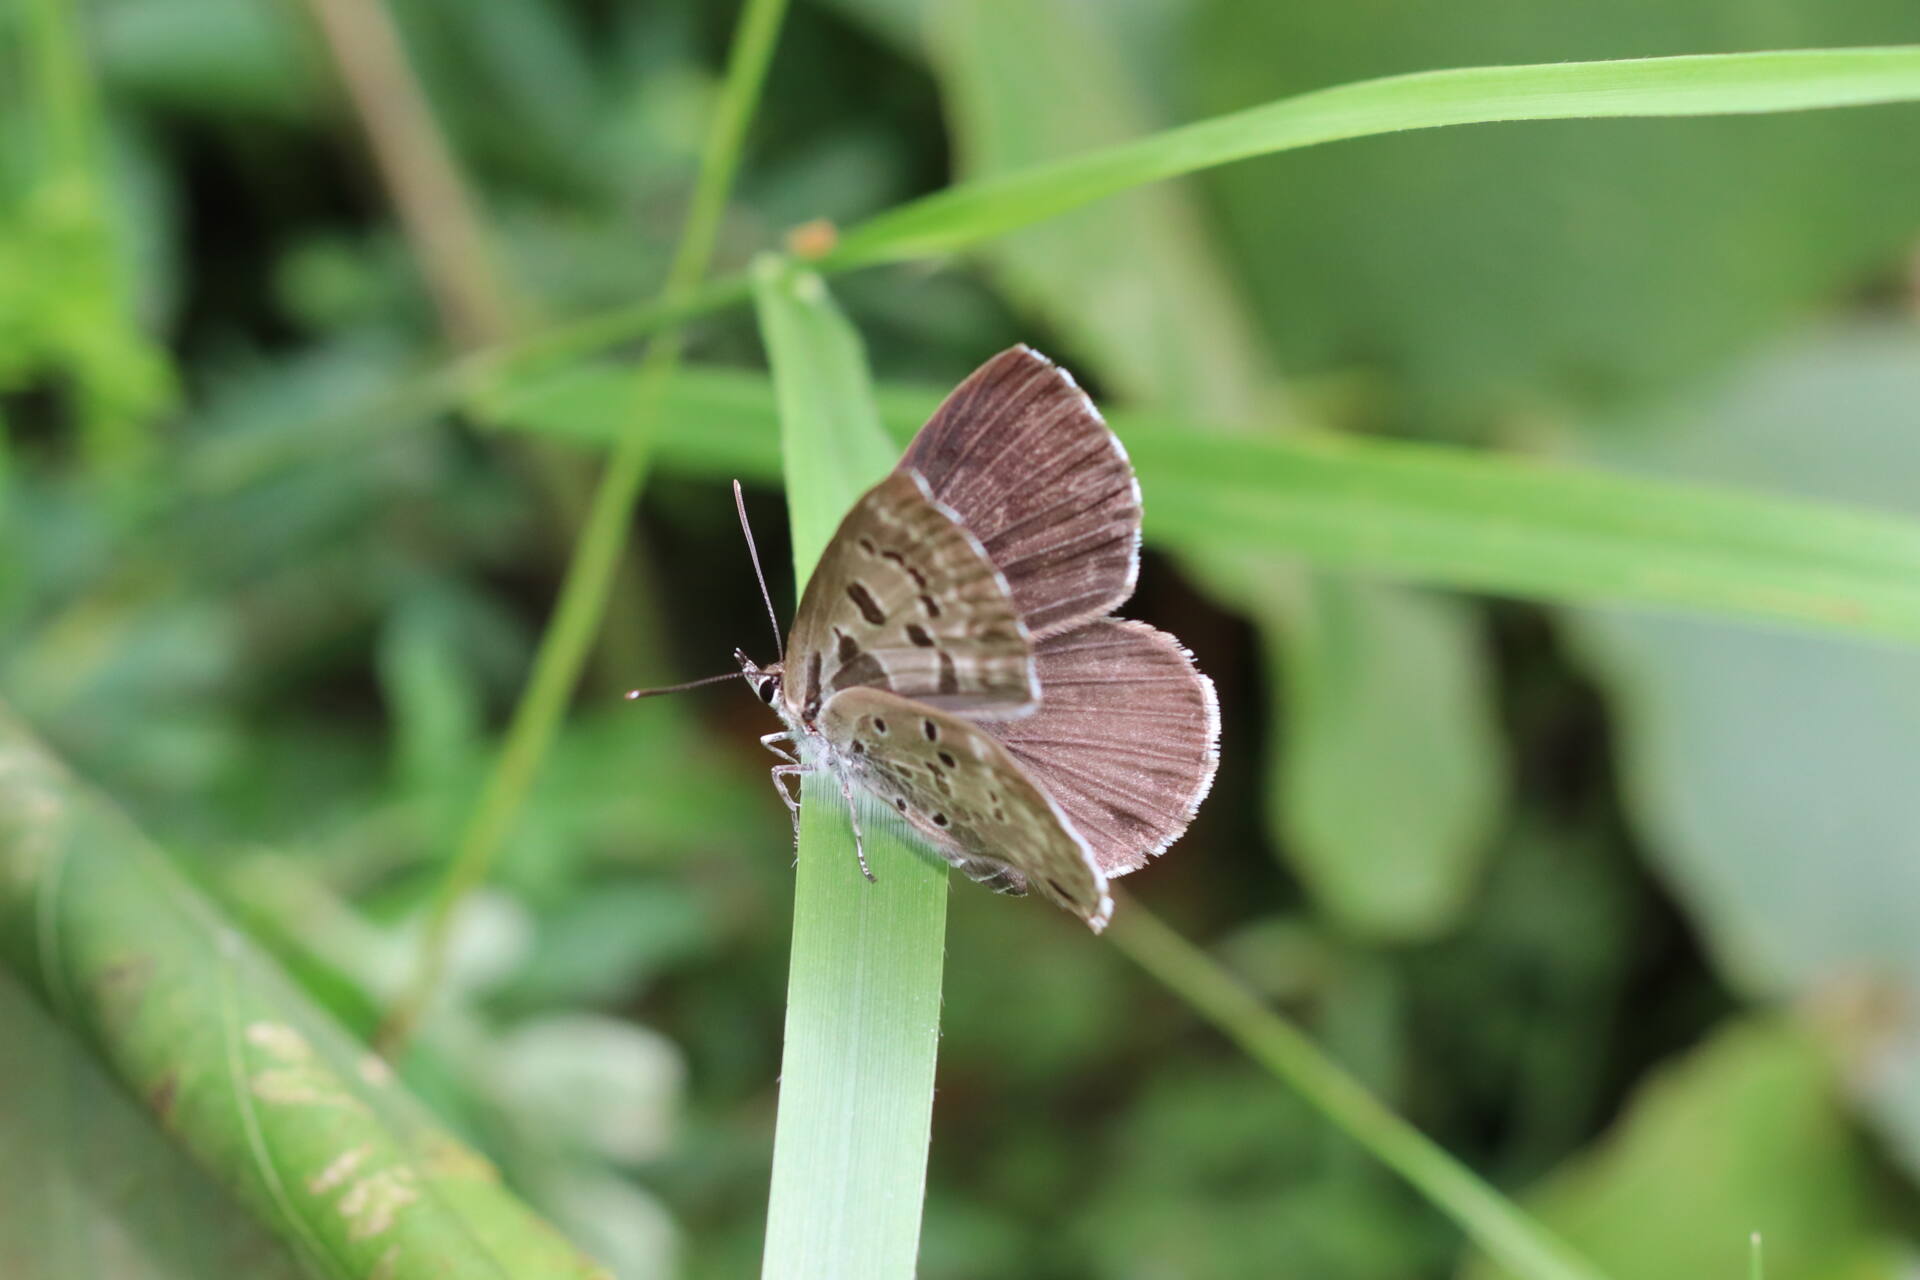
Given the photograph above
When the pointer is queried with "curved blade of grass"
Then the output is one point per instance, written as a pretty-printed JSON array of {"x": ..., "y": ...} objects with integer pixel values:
[
  {"x": 271, "y": 1096},
  {"x": 1436, "y": 514},
  {"x": 1508, "y": 1235},
  {"x": 863, "y": 990},
  {"x": 577, "y": 614},
  {"x": 1703, "y": 84}
]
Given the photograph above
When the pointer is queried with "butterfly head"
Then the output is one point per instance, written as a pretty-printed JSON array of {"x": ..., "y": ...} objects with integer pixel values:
[{"x": 765, "y": 681}]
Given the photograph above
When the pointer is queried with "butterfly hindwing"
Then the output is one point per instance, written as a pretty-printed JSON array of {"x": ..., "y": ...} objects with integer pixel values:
[
  {"x": 904, "y": 599},
  {"x": 961, "y": 789},
  {"x": 1125, "y": 740},
  {"x": 1023, "y": 457}
]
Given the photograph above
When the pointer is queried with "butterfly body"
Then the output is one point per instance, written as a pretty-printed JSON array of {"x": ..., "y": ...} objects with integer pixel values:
[{"x": 952, "y": 657}]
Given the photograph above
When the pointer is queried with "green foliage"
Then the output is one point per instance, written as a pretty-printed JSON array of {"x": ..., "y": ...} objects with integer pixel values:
[
  {"x": 276, "y": 572},
  {"x": 1742, "y": 1137}
]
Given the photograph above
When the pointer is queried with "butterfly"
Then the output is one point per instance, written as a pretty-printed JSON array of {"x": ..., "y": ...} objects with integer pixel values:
[{"x": 953, "y": 654}]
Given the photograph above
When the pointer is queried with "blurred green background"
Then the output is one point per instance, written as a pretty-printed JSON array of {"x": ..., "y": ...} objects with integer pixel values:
[{"x": 1623, "y": 910}]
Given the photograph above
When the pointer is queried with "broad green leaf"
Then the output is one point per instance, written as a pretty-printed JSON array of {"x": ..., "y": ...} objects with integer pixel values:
[
  {"x": 1392, "y": 779},
  {"x": 1771, "y": 775},
  {"x": 1434, "y": 514},
  {"x": 304, "y": 1126},
  {"x": 863, "y": 993},
  {"x": 1745, "y": 1134},
  {"x": 1792, "y": 80}
]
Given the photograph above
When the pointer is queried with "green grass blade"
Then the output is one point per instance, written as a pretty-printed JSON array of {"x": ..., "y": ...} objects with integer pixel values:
[
  {"x": 1493, "y": 1222},
  {"x": 266, "y": 1092},
  {"x": 863, "y": 993},
  {"x": 1705, "y": 84},
  {"x": 1434, "y": 514},
  {"x": 582, "y": 605}
]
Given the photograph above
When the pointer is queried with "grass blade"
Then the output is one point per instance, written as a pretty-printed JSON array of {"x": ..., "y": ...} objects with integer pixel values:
[
  {"x": 1703, "y": 84},
  {"x": 265, "y": 1090},
  {"x": 1436, "y": 514},
  {"x": 863, "y": 994}
]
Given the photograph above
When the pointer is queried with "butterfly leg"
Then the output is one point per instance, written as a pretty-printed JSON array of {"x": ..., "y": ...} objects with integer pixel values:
[
  {"x": 853, "y": 817},
  {"x": 780, "y": 773},
  {"x": 771, "y": 740}
]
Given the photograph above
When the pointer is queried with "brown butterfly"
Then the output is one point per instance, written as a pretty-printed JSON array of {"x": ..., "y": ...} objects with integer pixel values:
[{"x": 952, "y": 653}]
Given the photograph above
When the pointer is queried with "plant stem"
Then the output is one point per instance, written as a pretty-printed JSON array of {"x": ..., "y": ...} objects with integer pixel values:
[
  {"x": 1507, "y": 1235},
  {"x": 436, "y": 207},
  {"x": 584, "y": 592}
]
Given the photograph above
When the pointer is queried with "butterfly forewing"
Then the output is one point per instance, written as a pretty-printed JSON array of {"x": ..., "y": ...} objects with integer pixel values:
[
  {"x": 905, "y": 599},
  {"x": 1125, "y": 740},
  {"x": 1020, "y": 453},
  {"x": 958, "y": 787}
]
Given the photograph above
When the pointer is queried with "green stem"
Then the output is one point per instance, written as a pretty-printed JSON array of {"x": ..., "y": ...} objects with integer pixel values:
[
  {"x": 1489, "y": 1219},
  {"x": 583, "y": 594}
]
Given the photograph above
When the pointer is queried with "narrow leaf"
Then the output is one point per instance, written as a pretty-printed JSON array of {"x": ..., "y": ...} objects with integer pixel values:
[
  {"x": 1702, "y": 84},
  {"x": 1434, "y": 514},
  {"x": 863, "y": 993}
]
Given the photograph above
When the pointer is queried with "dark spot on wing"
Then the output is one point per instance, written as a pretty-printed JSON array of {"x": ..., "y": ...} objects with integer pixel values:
[
  {"x": 865, "y": 669},
  {"x": 939, "y": 819},
  {"x": 863, "y": 600},
  {"x": 919, "y": 578},
  {"x": 930, "y": 605},
  {"x": 811, "y": 704},
  {"x": 848, "y": 648},
  {"x": 949, "y": 677},
  {"x": 946, "y": 758},
  {"x": 931, "y": 729},
  {"x": 918, "y": 634},
  {"x": 880, "y": 726},
  {"x": 900, "y": 804},
  {"x": 866, "y": 545}
]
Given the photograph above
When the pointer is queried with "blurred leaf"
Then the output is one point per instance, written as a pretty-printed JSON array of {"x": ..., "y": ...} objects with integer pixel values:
[
  {"x": 1769, "y": 771},
  {"x": 1212, "y": 1169},
  {"x": 611, "y": 940},
  {"x": 220, "y": 58},
  {"x": 1390, "y": 784},
  {"x": 589, "y": 1082},
  {"x": 616, "y": 1219},
  {"x": 433, "y": 699},
  {"x": 1443, "y": 515},
  {"x": 1770, "y": 774},
  {"x": 90, "y": 1186},
  {"x": 1494, "y": 271},
  {"x": 1743, "y": 1135},
  {"x": 298, "y": 1121},
  {"x": 1795, "y": 80}
]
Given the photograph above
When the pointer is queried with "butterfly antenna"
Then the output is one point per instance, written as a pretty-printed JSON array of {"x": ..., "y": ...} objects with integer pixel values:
[
  {"x": 676, "y": 688},
  {"x": 740, "y": 505}
]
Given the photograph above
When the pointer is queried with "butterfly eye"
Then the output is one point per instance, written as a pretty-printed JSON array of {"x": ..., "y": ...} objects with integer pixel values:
[{"x": 767, "y": 689}]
